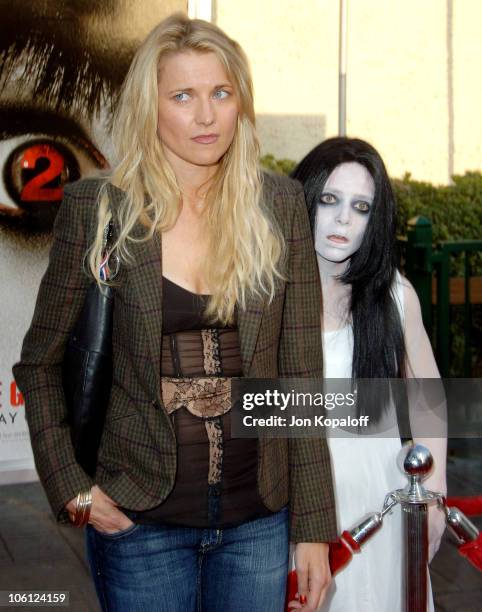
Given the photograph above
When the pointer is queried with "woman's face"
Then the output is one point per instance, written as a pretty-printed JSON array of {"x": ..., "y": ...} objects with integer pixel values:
[
  {"x": 198, "y": 109},
  {"x": 343, "y": 211}
]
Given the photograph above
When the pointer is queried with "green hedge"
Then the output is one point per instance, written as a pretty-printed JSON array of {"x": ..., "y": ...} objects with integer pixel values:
[
  {"x": 281, "y": 166},
  {"x": 454, "y": 210}
]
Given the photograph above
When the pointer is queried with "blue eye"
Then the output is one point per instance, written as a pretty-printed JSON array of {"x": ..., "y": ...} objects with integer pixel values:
[
  {"x": 328, "y": 198},
  {"x": 221, "y": 94},
  {"x": 181, "y": 97}
]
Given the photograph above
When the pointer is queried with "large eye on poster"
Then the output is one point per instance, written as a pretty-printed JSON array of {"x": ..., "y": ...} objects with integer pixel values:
[
  {"x": 39, "y": 154},
  {"x": 61, "y": 68}
]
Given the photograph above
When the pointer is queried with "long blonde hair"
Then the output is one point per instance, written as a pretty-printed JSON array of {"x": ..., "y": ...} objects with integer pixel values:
[{"x": 245, "y": 244}]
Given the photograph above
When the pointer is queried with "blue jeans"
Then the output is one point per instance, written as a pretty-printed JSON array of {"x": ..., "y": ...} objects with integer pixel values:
[{"x": 182, "y": 569}]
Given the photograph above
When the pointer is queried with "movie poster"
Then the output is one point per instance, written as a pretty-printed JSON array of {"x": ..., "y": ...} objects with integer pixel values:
[{"x": 61, "y": 67}]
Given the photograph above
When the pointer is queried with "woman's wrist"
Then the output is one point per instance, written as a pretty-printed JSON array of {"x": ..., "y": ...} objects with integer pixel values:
[{"x": 83, "y": 504}]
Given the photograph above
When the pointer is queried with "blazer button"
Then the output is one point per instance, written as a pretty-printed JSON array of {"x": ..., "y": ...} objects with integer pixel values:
[{"x": 155, "y": 404}]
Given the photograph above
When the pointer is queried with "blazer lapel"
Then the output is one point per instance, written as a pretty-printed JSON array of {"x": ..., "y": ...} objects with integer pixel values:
[
  {"x": 146, "y": 279},
  {"x": 145, "y": 283},
  {"x": 249, "y": 322}
]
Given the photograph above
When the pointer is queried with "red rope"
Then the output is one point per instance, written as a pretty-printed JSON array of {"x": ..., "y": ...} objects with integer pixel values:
[
  {"x": 470, "y": 506},
  {"x": 472, "y": 551}
]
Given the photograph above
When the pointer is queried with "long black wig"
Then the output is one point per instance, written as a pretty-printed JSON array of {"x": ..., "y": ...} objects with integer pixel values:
[{"x": 378, "y": 338}]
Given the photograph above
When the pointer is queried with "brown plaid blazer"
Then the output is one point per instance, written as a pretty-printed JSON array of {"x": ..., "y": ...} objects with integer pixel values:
[{"x": 137, "y": 456}]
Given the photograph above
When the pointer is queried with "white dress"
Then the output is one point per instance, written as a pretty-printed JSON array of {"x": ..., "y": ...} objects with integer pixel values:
[{"x": 364, "y": 471}]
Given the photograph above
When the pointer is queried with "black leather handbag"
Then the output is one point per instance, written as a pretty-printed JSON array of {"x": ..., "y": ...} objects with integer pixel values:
[{"x": 87, "y": 370}]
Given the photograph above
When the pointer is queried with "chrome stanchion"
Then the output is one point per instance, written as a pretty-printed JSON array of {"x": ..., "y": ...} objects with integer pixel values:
[
  {"x": 415, "y": 500},
  {"x": 416, "y": 462}
]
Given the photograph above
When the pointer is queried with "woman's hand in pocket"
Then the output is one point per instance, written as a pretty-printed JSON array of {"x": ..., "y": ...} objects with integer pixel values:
[{"x": 104, "y": 514}]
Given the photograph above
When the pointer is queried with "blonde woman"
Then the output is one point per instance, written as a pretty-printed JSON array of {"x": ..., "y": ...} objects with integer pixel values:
[{"x": 217, "y": 279}]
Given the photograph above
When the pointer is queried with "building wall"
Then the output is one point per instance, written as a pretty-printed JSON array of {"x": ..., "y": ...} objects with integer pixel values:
[
  {"x": 412, "y": 85},
  {"x": 295, "y": 84},
  {"x": 467, "y": 86}
]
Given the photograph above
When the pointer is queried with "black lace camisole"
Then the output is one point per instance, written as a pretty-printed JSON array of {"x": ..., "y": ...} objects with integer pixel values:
[{"x": 216, "y": 478}]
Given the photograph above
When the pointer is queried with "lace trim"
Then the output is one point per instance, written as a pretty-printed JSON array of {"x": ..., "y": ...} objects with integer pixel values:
[
  {"x": 206, "y": 398},
  {"x": 215, "y": 437},
  {"x": 203, "y": 397},
  {"x": 211, "y": 352}
]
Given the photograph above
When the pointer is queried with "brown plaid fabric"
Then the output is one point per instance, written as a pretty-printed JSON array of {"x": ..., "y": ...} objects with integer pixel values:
[{"x": 137, "y": 456}]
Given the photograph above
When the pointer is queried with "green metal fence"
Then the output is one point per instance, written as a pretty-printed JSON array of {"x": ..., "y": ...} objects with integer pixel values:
[{"x": 423, "y": 262}]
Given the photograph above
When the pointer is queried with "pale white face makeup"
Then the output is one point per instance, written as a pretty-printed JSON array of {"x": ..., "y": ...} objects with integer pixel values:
[{"x": 342, "y": 214}]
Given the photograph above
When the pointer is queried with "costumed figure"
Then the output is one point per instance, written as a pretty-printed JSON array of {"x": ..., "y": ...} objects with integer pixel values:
[{"x": 372, "y": 329}]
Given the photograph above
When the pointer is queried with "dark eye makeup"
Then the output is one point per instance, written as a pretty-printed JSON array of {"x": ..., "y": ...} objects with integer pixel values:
[
  {"x": 329, "y": 199},
  {"x": 362, "y": 206}
]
